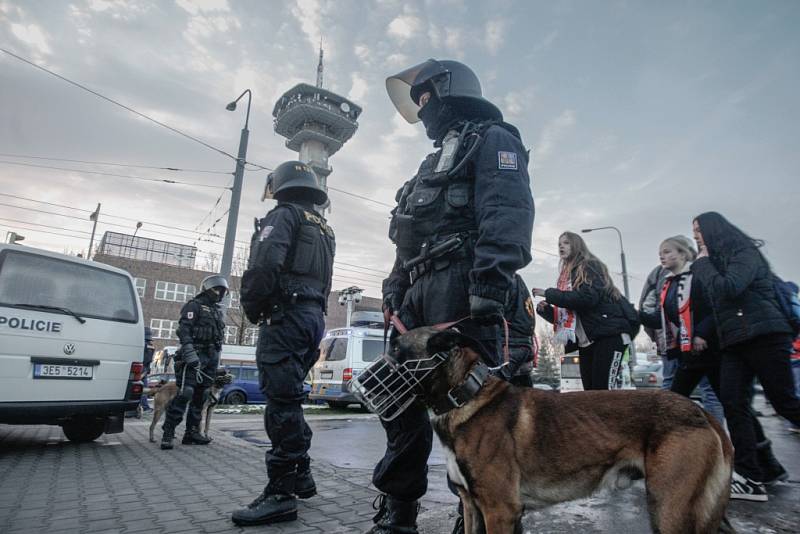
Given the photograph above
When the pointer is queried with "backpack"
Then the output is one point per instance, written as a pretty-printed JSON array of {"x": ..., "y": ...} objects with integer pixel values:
[{"x": 788, "y": 302}]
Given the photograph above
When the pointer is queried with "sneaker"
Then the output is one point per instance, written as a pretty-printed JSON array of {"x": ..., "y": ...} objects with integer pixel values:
[{"x": 747, "y": 490}]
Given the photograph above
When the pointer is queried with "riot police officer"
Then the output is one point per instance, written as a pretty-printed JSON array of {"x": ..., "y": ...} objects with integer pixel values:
[
  {"x": 201, "y": 330},
  {"x": 285, "y": 289},
  {"x": 462, "y": 228}
]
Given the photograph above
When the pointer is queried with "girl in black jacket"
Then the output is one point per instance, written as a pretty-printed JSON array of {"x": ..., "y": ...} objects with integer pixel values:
[
  {"x": 586, "y": 311},
  {"x": 754, "y": 336}
]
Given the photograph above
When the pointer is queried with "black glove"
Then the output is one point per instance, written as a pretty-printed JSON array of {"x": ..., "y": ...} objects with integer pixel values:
[
  {"x": 392, "y": 302},
  {"x": 189, "y": 356},
  {"x": 485, "y": 310}
]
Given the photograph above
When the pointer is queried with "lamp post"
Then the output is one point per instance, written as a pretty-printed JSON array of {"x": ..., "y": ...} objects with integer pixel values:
[
  {"x": 621, "y": 255},
  {"x": 236, "y": 192}
]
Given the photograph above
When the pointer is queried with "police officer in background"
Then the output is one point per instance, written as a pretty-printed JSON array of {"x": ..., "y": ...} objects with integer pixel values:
[
  {"x": 462, "y": 228},
  {"x": 147, "y": 362},
  {"x": 201, "y": 330},
  {"x": 285, "y": 289}
]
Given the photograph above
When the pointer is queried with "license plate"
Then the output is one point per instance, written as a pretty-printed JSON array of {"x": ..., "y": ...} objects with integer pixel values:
[
  {"x": 76, "y": 372},
  {"x": 326, "y": 374}
]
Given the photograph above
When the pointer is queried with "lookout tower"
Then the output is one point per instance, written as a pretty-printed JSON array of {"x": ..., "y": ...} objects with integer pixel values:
[{"x": 315, "y": 122}]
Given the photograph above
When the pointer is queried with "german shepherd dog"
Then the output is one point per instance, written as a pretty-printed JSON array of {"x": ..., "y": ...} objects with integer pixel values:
[
  {"x": 164, "y": 392},
  {"x": 509, "y": 448}
]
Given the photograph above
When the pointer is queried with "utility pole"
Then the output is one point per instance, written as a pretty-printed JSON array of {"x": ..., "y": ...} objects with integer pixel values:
[
  {"x": 93, "y": 217},
  {"x": 348, "y": 297},
  {"x": 236, "y": 192}
]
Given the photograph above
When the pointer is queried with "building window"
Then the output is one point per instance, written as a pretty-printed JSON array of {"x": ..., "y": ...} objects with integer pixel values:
[
  {"x": 174, "y": 292},
  {"x": 230, "y": 335},
  {"x": 250, "y": 336},
  {"x": 163, "y": 328},
  {"x": 141, "y": 285},
  {"x": 234, "y": 301}
]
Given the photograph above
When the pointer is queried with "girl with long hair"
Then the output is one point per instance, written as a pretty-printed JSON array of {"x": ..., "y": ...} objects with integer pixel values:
[
  {"x": 755, "y": 337},
  {"x": 586, "y": 311}
]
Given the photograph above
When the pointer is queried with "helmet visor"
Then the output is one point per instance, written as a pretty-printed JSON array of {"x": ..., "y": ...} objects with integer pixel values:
[
  {"x": 268, "y": 193},
  {"x": 399, "y": 87}
]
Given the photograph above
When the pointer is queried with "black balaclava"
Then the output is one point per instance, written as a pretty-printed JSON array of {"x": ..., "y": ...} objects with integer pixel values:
[{"x": 438, "y": 117}]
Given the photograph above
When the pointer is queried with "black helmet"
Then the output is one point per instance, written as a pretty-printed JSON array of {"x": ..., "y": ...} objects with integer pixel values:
[
  {"x": 449, "y": 80},
  {"x": 215, "y": 280},
  {"x": 148, "y": 334},
  {"x": 294, "y": 176}
]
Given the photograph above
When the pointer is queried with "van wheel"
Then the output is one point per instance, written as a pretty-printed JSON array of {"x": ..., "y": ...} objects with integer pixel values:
[
  {"x": 338, "y": 404},
  {"x": 84, "y": 430},
  {"x": 236, "y": 397}
]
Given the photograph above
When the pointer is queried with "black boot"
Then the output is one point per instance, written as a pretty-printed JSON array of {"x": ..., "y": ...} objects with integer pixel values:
[
  {"x": 276, "y": 503},
  {"x": 167, "y": 437},
  {"x": 771, "y": 468},
  {"x": 304, "y": 486},
  {"x": 394, "y": 516},
  {"x": 192, "y": 436}
]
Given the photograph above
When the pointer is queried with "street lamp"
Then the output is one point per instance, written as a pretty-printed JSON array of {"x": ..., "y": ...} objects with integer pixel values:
[
  {"x": 236, "y": 192},
  {"x": 621, "y": 254},
  {"x": 138, "y": 225}
]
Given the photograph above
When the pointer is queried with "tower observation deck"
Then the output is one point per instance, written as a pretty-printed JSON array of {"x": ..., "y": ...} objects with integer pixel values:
[{"x": 315, "y": 122}]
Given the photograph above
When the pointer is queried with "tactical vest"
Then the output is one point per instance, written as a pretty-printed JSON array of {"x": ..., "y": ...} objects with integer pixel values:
[
  {"x": 439, "y": 201},
  {"x": 208, "y": 328},
  {"x": 309, "y": 263}
]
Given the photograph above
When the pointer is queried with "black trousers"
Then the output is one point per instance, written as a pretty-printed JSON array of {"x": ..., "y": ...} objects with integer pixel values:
[
  {"x": 601, "y": 363},
  {"x": 287, "y": 349},
  {"x": 439, "y": 296},
  {"x": 192, "y": 391},
  {"x": 767, "y": 358}
]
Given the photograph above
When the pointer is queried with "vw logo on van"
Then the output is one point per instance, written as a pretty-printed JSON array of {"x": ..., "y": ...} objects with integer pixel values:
[{"x": 69, "y": 349}]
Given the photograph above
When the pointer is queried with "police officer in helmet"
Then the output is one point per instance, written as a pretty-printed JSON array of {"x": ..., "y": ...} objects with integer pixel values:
[
  {"x": 462, "y": 228},
  {"x": 201, "y": 330},
  {"x": 285, "y": 290}
]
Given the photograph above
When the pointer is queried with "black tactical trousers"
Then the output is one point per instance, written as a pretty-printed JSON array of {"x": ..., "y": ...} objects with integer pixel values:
[
  {"x": 192, "y": 390},
  {"x": 439, "y": 296},
  {"x": 287, "y": 349}
]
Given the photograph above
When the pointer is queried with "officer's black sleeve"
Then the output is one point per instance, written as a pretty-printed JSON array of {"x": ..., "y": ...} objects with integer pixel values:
[
  {"x": 504, "y": 213},
  {"x": 189, "y": 314},
  {"x": 278, "y": 232},
  {"x": 397, "y": 281}
]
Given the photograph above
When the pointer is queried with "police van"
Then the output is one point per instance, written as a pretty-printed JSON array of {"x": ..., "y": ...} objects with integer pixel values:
[
  {"x": 71, "y": 342},
  {"x": 344, "y": 353}
]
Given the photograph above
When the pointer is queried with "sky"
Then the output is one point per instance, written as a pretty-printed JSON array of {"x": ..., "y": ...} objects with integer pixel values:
[{"x": 639, "y": 115}]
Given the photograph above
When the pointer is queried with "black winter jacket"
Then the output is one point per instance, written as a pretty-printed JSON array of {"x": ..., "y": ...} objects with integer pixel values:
[
  {"x": 600, "y": 315},
  {"x": 742, "y": 295}
]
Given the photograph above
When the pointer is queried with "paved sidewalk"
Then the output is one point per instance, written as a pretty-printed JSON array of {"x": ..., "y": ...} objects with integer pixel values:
[{"x": 123, "y": 483}]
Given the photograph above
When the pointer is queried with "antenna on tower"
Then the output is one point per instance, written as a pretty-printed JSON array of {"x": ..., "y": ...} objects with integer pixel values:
[{"x": 319, "y": 66}]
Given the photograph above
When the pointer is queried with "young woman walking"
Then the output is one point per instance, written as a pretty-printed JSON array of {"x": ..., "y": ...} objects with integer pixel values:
[
  {"x": 586, "y": 311},
  {"x": 754, "y": 335}
]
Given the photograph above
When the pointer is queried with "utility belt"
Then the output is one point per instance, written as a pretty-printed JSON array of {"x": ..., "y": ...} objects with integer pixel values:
[
  {"x": 277, "y": 312},
  {"x": 440, "y": 255}
]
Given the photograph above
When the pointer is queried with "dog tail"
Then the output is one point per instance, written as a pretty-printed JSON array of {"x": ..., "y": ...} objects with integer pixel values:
[{"x": 710, "y": 507}]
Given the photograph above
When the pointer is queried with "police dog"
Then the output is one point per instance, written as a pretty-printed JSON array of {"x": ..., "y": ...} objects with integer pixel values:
[
  {"x": 508, "y": 448},
  {"x": 164, "y": 392}
]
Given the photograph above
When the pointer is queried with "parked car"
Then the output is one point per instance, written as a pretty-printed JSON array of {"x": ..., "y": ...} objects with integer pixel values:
[
  {"x": 71, "y": 342},
  {"x": 344, "y": 353},
  {"x": 245, "y": 389},
  {"x": 648, "y": 375}
]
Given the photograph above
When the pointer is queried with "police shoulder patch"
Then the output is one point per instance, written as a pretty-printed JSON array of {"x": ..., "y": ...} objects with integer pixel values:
[
  {"x": 265, "y": 232},
  {"x": 190, "y": 315},
  {"x": 507, "y": 160}
]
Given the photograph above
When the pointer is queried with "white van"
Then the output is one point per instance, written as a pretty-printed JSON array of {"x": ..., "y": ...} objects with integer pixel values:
[
  {"x": 344, "y": 353},
  {"x": 71, "y": 342}
]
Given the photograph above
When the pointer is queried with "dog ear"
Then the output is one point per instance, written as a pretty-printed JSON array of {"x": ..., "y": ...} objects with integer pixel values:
[{"x": 447, "y": 339}]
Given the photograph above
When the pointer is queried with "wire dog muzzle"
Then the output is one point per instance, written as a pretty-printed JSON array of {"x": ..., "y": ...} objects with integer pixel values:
[{"x": 388, "y": 387}]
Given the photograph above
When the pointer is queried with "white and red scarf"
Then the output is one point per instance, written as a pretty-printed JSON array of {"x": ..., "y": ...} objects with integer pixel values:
[
  {"x": 564, "y": 319},
  {"x": 681, "y": 335}
]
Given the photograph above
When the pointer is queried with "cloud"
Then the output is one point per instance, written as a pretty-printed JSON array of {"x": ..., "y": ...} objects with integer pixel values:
[
  {"x": 516, "y": 103},
  {"x": 358, "y": 89},
  {"x": 33, "y": 36},
  {"x": 195, "y": 7},
  {"x": 404, "y": 27},
  {"x": 552, "y": 133},
  {"x": 494, "y": 36},
  {"x": 309, "y": 14}
]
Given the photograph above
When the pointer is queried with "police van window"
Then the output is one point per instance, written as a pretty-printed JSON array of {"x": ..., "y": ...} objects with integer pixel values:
[
  {"x": 371, "y": 349},
  {"x": 85, "y": 290},
  {"x": 337, "y": 350}
]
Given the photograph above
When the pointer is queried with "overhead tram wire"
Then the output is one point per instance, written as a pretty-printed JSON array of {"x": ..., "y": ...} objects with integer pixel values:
[
  {"x": 84, "y": 171},
  {"x": 112, "y": 164}
]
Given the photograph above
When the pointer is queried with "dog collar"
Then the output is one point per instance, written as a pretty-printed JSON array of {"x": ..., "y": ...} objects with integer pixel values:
[{"x": 460, "y": 395}]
